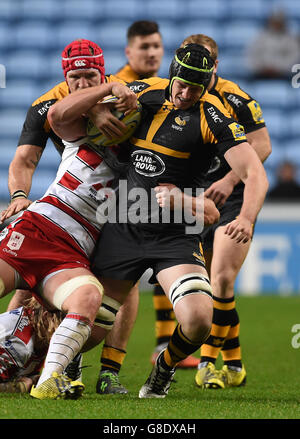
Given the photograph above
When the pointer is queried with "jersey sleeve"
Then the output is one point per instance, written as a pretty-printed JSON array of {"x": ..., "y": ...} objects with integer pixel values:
[
  {"x": 245, "y": 109},
  {"x": 219, "y": 128},
  {"x": 35, "y": 129}
]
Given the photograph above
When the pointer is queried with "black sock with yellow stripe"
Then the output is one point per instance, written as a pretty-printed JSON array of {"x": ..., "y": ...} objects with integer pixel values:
[
  {"x": 179, "y": 347},
  {"x": 112, "y": 358},
  {"x": 231, "y": 350},
  {"x": 165, "y": 318},
  {"x": 224, "y": 315}
]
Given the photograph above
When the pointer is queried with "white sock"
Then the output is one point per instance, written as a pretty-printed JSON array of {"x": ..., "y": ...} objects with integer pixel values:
[{"x": 66, "y": 342}]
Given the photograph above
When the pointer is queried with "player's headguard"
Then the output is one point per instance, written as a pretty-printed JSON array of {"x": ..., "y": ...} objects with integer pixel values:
[
  {"x": 83, "y": 54},
  {"x": 192, "y": 64}
]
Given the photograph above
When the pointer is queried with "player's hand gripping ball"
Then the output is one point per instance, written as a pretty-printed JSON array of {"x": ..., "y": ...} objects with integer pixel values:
[{"x": 131, "y": 120}]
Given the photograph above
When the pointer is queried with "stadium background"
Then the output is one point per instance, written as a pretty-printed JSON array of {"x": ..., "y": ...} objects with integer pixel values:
[{"x": 33, "y": 34}]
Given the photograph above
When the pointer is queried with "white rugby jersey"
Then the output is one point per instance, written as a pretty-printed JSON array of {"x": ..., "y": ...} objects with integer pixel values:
[
  {"x": 72, "y": 199},
  {"x": 17, "y": 354}
]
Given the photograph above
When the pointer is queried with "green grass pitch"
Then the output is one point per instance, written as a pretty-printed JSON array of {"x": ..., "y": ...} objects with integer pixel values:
[{"x": 272, "y": 363}]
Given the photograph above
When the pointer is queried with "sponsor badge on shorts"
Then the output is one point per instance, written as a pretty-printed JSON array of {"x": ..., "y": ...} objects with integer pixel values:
[{"x": 15, "y": 241}]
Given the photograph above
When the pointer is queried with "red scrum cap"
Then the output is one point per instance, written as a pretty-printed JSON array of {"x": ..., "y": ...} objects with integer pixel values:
[{"x": 83, "y": 54}]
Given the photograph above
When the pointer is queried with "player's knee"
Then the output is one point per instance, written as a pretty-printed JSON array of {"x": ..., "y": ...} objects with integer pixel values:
[
  {"x": 187, "y": 285},
  {"x": 224, "y": 280},
  {"x": 84, "y": 289},
  {"x": 107, "y": 312}
]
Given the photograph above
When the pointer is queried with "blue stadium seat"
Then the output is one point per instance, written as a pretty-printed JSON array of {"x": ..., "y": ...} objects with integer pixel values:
[
  {"x": 112, "y": 34},
  {"x": 4, "y": 193},
  {"x": 273, "y": 94},
  {"x": 293, "y": 152},
  {"x": 11, "y": 123},
  {"x": 54, "y": 65},
  {"x": 257, "y": 9},
  {"x": 276, "y": 122},
  {"x": 6, "y": 39},
  {"x": 18, "y": 94},
  {"x": 67, "y": 31},
  {"x": 132, "y": 10},
  {"x": 40, "y": 182},
  {"x": 276, "y": 157},
  {"x": 8, "y": 148},
  {"x": 207, "y": 27},
  {"x": 161, "y": 10},
  {"x": 164, "y": 67},
  {"x": 239, "y": 33},
  {"x": 42, "y": 10},
  {"x": 170, "y": 35},
  {"x": 294, "y": 123},
  {"x": 26, "y": 64},
  {"x": 114, "y": 60},
  {"x": 50, "y": 159},
  {"x": 232, "y": 65},
  {"x": 11, "y": 10},
  {"x": 206, "y": 9},
  {"x": 291, "y": 8},
  {"x": 33, "y": 35},
  {"x": 78, "y": 9}
]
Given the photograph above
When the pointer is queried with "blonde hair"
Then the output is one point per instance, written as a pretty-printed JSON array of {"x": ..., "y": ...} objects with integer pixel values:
[
  {"x": 43, "y": 321},
  {"x": 204, "y": 40}
]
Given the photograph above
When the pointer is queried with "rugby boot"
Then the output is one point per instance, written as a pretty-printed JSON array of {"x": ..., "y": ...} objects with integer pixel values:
[
  {"x": 158, "y": 382},
  {"x": 58, "y": 387},
  {"x": 208, "y": 377},
  {"x": 108, "y": 383},
  {"x": 233, "y": 376}
]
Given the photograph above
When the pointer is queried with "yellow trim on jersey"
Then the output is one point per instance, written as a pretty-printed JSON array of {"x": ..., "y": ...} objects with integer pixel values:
[
  {"x": 159, "y": 148},
  {"x": 156, "y": 124}
]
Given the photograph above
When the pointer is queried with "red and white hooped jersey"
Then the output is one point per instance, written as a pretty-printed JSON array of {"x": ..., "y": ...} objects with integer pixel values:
[
  {"x": 72, "y": 200},
  {"x": 17, "y": 354}
]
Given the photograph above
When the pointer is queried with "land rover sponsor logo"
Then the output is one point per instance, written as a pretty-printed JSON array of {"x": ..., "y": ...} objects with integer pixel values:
[{"x": 148, "y": 164}]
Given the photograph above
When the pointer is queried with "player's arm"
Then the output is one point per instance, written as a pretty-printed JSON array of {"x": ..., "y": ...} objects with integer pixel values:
[
  {"x": 245, "y": 163},
  {"x": 169, "y": 195},
  {"x": 66, "y": 117},
  {"x": 220, "y": 190},
  {"x": 21, "y": 170},
  {"x": 247, "y": 112}
]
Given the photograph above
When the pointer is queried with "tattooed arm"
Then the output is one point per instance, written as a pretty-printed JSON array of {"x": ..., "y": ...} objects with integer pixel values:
[{"x": 20, "y": 175}]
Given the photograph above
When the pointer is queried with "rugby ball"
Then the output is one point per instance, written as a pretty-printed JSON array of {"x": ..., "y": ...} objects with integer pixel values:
[{"x": 131, "y": 120}]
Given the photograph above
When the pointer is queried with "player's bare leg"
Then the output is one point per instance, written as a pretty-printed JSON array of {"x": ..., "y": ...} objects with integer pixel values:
[{"x": 224, "y": 263}]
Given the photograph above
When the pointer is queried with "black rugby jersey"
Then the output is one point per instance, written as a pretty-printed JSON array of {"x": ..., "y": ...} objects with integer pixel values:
[
  {"x": 245, "y": 110},
  {"x": 172, "y": 145}
]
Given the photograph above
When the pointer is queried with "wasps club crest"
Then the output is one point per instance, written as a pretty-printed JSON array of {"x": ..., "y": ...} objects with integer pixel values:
[{"x": 181, "y": 120}]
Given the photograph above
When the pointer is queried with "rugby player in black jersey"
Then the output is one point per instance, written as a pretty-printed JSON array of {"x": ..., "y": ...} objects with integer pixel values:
[
  {"x": 182, "y": 129},
  {"x": 223, "y": 257}
]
